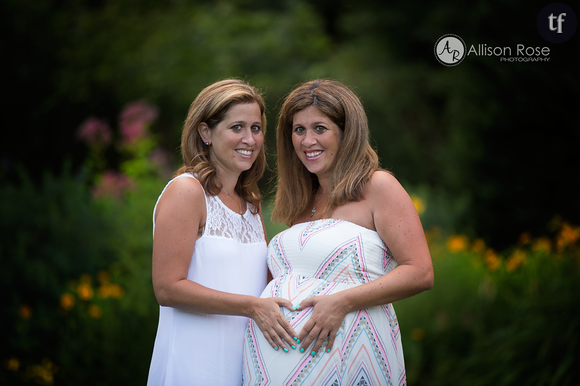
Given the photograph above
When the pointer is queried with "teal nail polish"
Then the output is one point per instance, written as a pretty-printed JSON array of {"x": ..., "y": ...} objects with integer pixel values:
[
  {"x": 294, "y": 307},
  {"x": 297, "y": 340},
  {"x": 293, "y": 347},
  {"x": 313, "y": 353},
  {"x": 285, "y": 349},
  {"x": 327, "y": 350},
  {"x": 276, "y": 348},
  {"x": 301, "y": 350}
]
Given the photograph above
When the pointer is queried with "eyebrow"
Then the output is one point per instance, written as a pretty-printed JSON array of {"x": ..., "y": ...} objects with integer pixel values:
[
  {"x": 313, "y": 124},
  {"x": 244, "y": 122}
]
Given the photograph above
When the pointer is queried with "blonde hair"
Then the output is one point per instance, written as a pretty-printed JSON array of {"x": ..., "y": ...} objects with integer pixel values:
[
  {"x": 354, "y": 164},
  {"x": 211, "y": 107}
]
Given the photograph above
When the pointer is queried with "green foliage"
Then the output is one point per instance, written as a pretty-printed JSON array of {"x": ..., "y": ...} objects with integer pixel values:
[
  {"x": 64, "y": 325},
  {"x": 493, "y": 320},
  {"x": 50, "y": 232}
]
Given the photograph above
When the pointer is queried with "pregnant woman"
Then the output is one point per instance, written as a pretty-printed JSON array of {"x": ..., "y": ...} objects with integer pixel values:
[{"x": 355, "y": 245}]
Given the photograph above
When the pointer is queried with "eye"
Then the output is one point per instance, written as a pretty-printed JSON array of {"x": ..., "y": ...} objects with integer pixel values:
[
  {"x": 237, "y": 127},
  {"x": 256, "y": 128},
  {"x": 299, "y": 130},
  {"x": 320, "y": 129}
]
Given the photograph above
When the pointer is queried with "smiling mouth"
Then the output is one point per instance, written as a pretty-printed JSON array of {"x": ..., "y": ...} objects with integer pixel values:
[
  {"x": 244, "y": 152},
  {"x": 313, "y": 153}
]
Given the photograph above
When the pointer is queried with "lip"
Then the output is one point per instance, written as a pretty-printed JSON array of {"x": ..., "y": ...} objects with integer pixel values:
[{"x": 312, "y": 155}]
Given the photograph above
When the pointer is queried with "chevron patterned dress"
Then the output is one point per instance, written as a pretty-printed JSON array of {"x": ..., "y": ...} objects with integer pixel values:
[{"x": 323, "y": 257}]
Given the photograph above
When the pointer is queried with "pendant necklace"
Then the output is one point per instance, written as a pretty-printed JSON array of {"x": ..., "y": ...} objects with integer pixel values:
[
  {"x": 316, "y": 203},
  {"x": 240, "y": 207}
]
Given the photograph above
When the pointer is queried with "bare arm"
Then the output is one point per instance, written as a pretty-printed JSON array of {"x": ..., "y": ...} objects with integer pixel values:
[
  {"x": 398, "y": 225},
  {"x": 180, "y": 214}
]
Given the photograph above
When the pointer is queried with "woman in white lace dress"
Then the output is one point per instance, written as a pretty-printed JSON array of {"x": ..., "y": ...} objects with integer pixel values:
[
  {"x": 355, "y": 245},
  {"x": 209, "y": 245}
]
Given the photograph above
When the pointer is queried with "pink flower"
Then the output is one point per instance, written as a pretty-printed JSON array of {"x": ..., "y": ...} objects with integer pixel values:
[
  {"x": 94, "y": 132},
  {"x": 134, "y": 119},
  {"x": 112, "y": 184}
]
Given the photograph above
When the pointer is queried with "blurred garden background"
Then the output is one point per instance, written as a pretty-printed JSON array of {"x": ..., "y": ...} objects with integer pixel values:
[{"x": 94, "y": 93}]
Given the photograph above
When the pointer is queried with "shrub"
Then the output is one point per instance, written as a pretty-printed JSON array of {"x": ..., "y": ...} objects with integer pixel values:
[{"x": 501, "y": 319}]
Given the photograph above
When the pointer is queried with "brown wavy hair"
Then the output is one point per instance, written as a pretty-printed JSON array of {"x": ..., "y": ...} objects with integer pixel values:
[
  {"x": 354, "y": 164},
  {"x": 211, "y": 107}
]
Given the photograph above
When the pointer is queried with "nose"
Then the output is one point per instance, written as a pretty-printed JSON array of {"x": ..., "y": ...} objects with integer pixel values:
[
  {"x": 308, "y": 139},
  {"x": 248, "y": 138}
]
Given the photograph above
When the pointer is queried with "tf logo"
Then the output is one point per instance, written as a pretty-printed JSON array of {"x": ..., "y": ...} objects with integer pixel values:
[{"x": 557, "y": 23}]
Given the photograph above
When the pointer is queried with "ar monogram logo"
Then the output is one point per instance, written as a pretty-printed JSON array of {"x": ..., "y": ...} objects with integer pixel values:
[
  {"x": 450, "y": 50},
  {"x": 557, "y": 23}
]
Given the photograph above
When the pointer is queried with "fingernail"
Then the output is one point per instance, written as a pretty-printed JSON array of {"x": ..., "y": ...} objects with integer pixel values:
[
  {"x": 293, "y": 347},
  {"x": 294, "y": 307},
  {"x": 301, "y": 350},
  {"x": 276, "y": 348},
  {"x": 327, "y": 350},
  {"x": 297, "y": 340},
  {"x": 285, "y": 349},
  {"x": 313, "y": 353}
]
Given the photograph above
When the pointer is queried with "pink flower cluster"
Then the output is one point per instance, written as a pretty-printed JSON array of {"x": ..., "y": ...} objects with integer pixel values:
[
  {"x": 94, "y": 132},
  {"x": 134, "y": 119},
  {"x": 112, "y": 184}
]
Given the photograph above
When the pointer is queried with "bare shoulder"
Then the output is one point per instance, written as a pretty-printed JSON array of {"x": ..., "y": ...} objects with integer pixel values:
[
  {"x": 184, "y": 194},
  {"x": 383, "y": 185}
]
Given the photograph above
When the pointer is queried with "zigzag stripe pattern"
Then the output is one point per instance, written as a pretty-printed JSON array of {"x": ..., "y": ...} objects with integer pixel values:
[
  {"x": 315, "y": 227},
  {"x": 259, "y": 375},
  {"x": 276, "y": 257},
  {"x": 322, "y": 258}
]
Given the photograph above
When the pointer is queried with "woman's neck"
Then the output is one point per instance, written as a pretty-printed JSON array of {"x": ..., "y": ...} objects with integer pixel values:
[
  {"x": 323, "y": 186},
  {"x": 228, "y": 182}
]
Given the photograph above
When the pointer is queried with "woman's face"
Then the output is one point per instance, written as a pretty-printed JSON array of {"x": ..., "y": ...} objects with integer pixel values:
[
  {"x": 237, "y": 140},
  {"x": 316, "y": 139}
]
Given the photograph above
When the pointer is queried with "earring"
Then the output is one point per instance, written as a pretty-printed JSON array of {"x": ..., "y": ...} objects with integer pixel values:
[{"x": 207, "y": 143}]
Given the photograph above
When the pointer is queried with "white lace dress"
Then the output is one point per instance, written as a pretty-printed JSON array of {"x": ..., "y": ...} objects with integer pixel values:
[{"x": 200, "y": 349}]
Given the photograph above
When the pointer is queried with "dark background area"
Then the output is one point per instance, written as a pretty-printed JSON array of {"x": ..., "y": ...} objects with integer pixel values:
[{"x": 499, "y": 137}]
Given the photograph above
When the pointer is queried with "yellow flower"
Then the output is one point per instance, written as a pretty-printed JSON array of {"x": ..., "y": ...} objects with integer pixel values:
[
  {"x": 42, "y": 373},
  {"x": 517, "y": 259},
  {"x": 542, "y": 244},
  {"x": 417, "y": 334},
  {"x": 13, "y": 364},
  {"x": 111, "y": 290},
  {"x": 457, "y": 243},
  {"x": 419, "y": 204},
  {"x": 95, "y": 311},
  {"x": 568, "y": 235},
  {"x": 25, "y": 311},
  {"x": 116, "y": 291},
  {"x": 85, "y": 291},
  {"x": 492, "y": 260},
  {"x": 478, "y": 246},
  {"x": 67, "y": 301}
]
